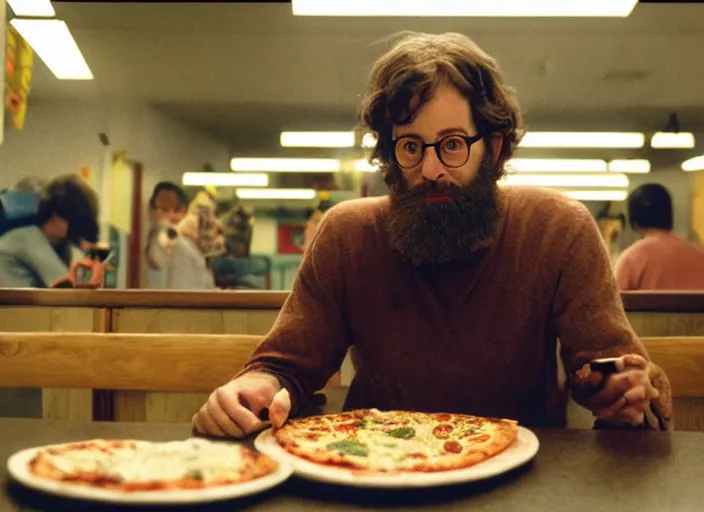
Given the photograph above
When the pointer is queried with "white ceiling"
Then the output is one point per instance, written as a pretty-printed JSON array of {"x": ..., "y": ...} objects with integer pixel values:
[{"x": 245, "y": 71}]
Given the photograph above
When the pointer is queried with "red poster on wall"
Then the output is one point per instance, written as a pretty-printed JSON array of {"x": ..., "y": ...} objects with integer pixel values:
[{"x": 291, "y": 238}]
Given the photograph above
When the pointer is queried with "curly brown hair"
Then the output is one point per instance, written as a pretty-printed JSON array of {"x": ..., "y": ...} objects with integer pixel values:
[{"x": 406, "y": 77}]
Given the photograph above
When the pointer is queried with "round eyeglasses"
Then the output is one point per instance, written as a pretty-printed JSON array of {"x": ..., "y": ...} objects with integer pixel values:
[{"x": 452, "y": 150}]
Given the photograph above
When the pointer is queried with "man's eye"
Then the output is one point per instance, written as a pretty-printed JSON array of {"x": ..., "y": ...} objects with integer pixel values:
[
  {"x": 453, "y": 144},
  {"x": 411, "y": 146}
]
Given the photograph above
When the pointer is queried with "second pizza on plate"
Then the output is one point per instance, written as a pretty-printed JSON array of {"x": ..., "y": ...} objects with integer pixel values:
[{"x": 387, "y": 441}]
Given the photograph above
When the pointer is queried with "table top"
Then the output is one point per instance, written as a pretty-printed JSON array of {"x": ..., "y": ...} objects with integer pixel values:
[{"x": 574, "y": 470}]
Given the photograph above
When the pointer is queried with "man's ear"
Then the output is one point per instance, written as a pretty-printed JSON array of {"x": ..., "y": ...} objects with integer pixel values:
[{"x": 496, "y": 142}]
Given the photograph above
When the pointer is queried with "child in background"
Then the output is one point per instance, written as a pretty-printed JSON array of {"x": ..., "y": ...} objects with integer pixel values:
[{"x": 167, "y": 207}]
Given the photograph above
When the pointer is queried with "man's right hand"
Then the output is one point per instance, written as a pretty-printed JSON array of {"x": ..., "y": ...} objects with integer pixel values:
[{"x": 236, "y": 408}]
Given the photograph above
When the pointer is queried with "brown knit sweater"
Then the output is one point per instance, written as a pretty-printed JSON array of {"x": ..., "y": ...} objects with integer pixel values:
[{"x": 478, "y": 337}]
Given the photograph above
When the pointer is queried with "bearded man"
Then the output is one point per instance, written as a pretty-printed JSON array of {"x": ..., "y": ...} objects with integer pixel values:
[{"x": 453, "y": 291}]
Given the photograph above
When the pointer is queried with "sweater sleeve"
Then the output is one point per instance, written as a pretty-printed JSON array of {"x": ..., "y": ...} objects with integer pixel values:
[
  {"x": 309, "y": 339},
  {"x": 588, "y": 314}
]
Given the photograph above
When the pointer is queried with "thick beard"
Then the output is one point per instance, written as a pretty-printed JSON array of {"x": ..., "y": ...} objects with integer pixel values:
[{"x": 447, "y": 231}]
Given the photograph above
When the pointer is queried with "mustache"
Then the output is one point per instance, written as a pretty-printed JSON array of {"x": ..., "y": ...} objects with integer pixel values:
[{"x": 419, "y": 192}]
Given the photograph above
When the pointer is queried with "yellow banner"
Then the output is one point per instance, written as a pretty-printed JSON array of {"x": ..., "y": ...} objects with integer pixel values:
[{"x": 19, "y": 64}]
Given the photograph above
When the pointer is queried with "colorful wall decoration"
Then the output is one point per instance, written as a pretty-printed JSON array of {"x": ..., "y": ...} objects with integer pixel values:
[{"x": 19, "y": 65}]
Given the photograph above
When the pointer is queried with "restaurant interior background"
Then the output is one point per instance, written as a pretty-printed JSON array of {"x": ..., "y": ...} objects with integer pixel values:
[{"x": 195, "y": 87}]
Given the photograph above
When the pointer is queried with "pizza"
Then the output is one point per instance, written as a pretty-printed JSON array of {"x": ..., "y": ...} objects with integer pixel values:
[
  {"x": 397, "y": 441},
  {"x": 130, "y": 465}
]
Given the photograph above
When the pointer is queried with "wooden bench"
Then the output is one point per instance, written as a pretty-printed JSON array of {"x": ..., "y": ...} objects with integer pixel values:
[
  {"x": 180, "y": 370},
  {"x": 137, "y": 362},
  {"x": 137, "y": 377},
  {"x": 682, "y": 358}
]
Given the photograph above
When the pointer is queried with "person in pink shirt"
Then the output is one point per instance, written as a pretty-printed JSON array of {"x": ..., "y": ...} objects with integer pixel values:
[{"x": 659, "y": 260}]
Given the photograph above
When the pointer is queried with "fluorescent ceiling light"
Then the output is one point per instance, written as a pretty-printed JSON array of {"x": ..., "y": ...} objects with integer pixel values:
[
  {"x": 53, "y": 43},
  {"x": 503, "y": 8},
  {"x": 276, "y": 193},
  {"x": 634, "y": 165},
  {"x": 606, "y": 180},
  {"x": 317, "y": 139},
  {"x": 363, "y": 165},
  {"x": 32, "y": 8},
  {"x": 582, "y": 140},
  {"x": 369, "y": 141},
  {"x": 670, "y": 140},
  {"x": 694, "y": 164},
  {"x": 557, "y": 165},
  {"x": 224, "y": 179},
  {"x": 596, "y": 195},
  {"x": 285, "y": 164}
]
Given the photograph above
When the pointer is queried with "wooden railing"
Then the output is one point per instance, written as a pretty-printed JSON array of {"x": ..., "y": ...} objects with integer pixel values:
[
  {"x": 155, "y": 299},
  {"x": 662, "y": 302}
]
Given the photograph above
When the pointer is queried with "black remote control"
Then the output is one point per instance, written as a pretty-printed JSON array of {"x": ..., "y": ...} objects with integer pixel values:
[{"x": 606, "y": 366}]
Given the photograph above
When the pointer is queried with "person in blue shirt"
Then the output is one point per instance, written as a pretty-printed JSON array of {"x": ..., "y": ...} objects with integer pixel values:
[{"x": 39, "y": 255}]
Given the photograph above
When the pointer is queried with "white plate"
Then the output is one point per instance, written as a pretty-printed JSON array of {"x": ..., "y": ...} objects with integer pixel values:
[
  {"x": 521, "y": 451},
  {"x": 18, "y": 467}
]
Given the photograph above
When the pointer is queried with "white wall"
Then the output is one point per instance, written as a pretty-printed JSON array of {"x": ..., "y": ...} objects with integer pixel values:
[
  {"x": 63, "y": 137},
  {"x": 264, "y": 236},
  {"x": 57, "y": 139},
  {"x": 166, "y": 147}
]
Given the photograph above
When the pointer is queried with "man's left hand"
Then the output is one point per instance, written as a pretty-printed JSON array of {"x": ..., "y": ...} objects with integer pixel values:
[{"x": 623, "y": 396}]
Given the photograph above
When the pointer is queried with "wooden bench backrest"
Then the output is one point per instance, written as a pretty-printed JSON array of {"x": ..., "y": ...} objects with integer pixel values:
[
  {"x": 144, "y": 362},
  {"x": 201, "y": 362},
  {"x": 682, "y": 358}
]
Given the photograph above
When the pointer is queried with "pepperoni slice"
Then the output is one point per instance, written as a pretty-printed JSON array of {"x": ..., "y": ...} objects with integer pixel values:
[
  {"x": 443, "y": 417},
  {"x": 347, "y": 427},
  {"x": 452, "y": 447},
  {"x": 442, "y": 431}
]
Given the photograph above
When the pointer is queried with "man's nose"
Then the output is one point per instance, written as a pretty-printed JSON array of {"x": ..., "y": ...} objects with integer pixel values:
[{"x": 432, "y": 168}]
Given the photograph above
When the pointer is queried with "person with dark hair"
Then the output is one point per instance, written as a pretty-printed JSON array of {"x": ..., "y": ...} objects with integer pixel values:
[
  {"x": 660, "y": 260},
  {"x": 168, "y": 200},
  {"x": 39, "y": 255},
  {"x": 650, "y": 207},
  {"x": 168, "y": 205},
  {"x": 453, "y": 290}
]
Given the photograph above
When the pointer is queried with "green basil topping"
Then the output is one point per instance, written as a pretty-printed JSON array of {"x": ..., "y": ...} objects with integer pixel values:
[
  {"x": 350, "y": 447},
  {"x": 402, "y": 433},
  {"x": 195, "y": 474}
]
